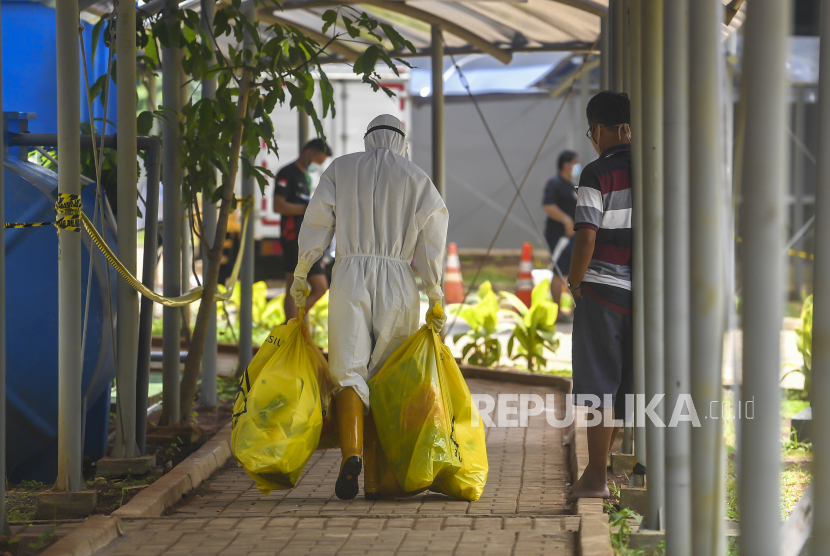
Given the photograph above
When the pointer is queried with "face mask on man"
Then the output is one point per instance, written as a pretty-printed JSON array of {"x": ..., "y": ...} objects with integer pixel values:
[
  {"x": 312, "y": 167},
  {"x": 575, "y": 172}
]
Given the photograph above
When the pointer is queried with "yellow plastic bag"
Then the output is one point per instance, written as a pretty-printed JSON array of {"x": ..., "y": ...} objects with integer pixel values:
[
  {"x": 424, "y": 414},
  {"x": 278, "y": 415}
]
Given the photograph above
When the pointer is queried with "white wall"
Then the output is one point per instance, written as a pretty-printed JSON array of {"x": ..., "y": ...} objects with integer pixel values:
[{"x": 479, "y": 190}]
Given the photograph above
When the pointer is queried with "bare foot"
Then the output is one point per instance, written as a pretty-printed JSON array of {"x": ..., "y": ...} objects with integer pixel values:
[
  {"x": 589, "y": 489},
  {"x": 574, "y": 486}
]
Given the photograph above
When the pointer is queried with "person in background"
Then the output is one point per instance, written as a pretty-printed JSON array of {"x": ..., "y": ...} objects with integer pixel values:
[
  {"x": 292, "y": 192},
  {"x": 559, "y": 203},
  {"x": 600, "y": 282}
]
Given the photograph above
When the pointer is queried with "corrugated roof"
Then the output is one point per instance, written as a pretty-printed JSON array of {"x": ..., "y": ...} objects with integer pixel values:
[{"x": 497, "y": 28}]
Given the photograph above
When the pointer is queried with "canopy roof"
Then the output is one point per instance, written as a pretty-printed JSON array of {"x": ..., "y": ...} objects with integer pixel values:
[{"x": 495, "y": 27}]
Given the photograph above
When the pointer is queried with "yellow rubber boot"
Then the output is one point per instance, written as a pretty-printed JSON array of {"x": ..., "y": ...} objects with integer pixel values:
[
  {"x": 371, "y": 452},
  {"x": 350, "y": 426}
]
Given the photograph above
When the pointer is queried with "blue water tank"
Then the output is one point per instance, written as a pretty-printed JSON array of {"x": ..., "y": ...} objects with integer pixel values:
[
  {"x": 32, "y": 328},
  {"x": 30, "y": 66},
  {"x": 30, "y": 85}
]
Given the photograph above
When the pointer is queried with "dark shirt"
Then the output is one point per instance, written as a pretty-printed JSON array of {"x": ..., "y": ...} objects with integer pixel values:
[
  {"x": 561, "y": 193},
  {"x": 295, "y": 185},
  {"x": 605, "y": 205}
]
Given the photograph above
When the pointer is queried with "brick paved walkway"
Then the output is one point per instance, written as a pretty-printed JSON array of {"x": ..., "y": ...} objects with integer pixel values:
[{"x": 521, "y": 512}]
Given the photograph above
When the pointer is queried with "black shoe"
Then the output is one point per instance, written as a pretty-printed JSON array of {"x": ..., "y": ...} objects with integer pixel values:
[
  {"x": 346, "y": 487},
  {"x": 371, "y": 495}
]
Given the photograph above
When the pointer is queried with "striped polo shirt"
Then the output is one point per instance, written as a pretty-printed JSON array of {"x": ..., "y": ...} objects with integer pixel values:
[{"x": 604, "y": 204}]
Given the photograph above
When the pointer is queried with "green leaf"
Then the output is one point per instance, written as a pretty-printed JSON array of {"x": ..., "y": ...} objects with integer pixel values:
[
  {"x": 515, "y": 302},
  {"x": 144, "y": 123},
  {"x": 540, "y": 293},
  {"x": 329, "y": 18}
]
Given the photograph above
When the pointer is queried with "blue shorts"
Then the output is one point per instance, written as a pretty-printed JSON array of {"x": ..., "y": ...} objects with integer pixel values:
[
  {"x": 564, "y": 261},
  {"x": 603, "y": 360}
]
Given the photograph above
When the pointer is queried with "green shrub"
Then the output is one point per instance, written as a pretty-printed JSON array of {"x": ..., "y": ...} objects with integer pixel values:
[{"x": 535, "y": 327}]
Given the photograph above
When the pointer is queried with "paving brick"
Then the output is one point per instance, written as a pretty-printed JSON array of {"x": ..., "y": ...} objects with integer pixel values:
[{"x": 522, "y": 510}]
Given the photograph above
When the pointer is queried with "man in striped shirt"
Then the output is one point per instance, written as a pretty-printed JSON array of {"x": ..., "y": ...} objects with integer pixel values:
[{"x": 600, "y": 281}]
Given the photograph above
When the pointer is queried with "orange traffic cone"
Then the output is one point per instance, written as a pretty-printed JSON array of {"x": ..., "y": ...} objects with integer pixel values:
[
  {"x": 453, "y": 286},
  {"x": 524, "y": 285}
]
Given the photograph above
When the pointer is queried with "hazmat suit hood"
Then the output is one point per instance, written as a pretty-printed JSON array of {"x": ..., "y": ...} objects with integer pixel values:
[{"x": 379, "y": 136}]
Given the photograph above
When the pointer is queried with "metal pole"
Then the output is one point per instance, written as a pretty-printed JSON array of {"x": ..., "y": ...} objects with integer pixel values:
[
  {"x": 171, "y": 231},
  {"x": 127, "y": 329},
  {"x": 605, "y": 53},
  {"x": 148, "y": 278},
  {"x": 623, "y": 80},
  {"x": 438, "y": 168},
  {"x": 707, "y": 273},
  {"x": 765, "y": 73},
  {"x": 798, "y": 187},
  {"x": 651, "y": 112},
  {"x": 187, "y": 248},
  {"x": 70, "y": 367},
  {"x": 4, "y": 523},
  {"x": 627, "y": 51},
  {"x": 678, "y": 441},
  {"x": 246, "y": 272},
  {"x": 208, "y": 396},
  {"x": 637, "y": 220},
  {"x": 821, "y": 304},
  {"x": 618, "y": 47},
  {"x": 302, "y": 118}
]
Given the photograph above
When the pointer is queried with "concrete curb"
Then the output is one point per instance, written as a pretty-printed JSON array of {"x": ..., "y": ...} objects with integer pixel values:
[
  {"x": 594, "y": 536},
  {"x": 168, "y": 490},
  {"x": 88, "y": 538},
  {"x": 519, "y": 377}
]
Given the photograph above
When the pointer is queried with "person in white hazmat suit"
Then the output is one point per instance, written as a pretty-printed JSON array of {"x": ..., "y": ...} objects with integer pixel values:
[{"x": 384, "y": 211}]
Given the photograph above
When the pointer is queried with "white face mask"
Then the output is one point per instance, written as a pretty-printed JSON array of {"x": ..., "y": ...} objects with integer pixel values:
[
  {"x": 312, "y": 167},
  {"x": 575, "y": 172}
]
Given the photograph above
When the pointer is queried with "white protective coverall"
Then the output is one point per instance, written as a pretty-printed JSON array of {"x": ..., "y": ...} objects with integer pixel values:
[{"x": 385, "y": 211}]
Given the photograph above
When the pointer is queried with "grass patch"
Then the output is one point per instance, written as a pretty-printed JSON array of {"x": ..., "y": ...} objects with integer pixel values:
[
  {"x": 793, "y": 484},
  {"x": 21, "y": 499},
  {"x": 790, "y": 408}
]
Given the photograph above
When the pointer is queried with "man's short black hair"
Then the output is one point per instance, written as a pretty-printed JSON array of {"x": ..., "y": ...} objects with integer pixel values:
[
  {"x": 318, "y": 146},
  {"x": 609, "y": 109},
  {"x": 564, "y": 158}
]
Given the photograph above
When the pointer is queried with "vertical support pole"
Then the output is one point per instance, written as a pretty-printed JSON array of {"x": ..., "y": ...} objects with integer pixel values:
[
  {"x": 707, "y": 273},
  {"x": 151, "y": 98},
  {"x": 438, "y": 168},
  {"x": 821, "y": 303},
  {"x": 4, "y": 525},
  {"x": 127, "y": 329},
  {"x": 344, "y": 135},
  {"x": 605, "y": 53},
  {"x": 678, "y": 441},
  {"x": 651, "y": 111},
  {"x": 767, "y": 27},
  {"x": 209, "y": 396},
  {"x": 186, "y": 233},
  {"x": 171, "y": 231},
  {"x": 145, "y": 322},
  {"x": 302, "y": 118},
  {"x": 627, "y": 50},
  {"x": 624, "y": 82},
  {"x": 70, "y": 367},
  {"x": 246, "y": 272},
  {"x": 618, "y": 48},
  {"x": 637, "y": 220},
  {"x": 798, "y": 187}
]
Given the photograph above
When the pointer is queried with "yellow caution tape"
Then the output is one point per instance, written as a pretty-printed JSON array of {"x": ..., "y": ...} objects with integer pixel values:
[
  {"x": 793, "y": 252},
  {"x": 67, "y": 213},
  {"x": 182, "y": 300}
]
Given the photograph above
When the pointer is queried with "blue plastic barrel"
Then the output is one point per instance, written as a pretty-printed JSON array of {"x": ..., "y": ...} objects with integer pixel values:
[{"x": 32, "y": 328}]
